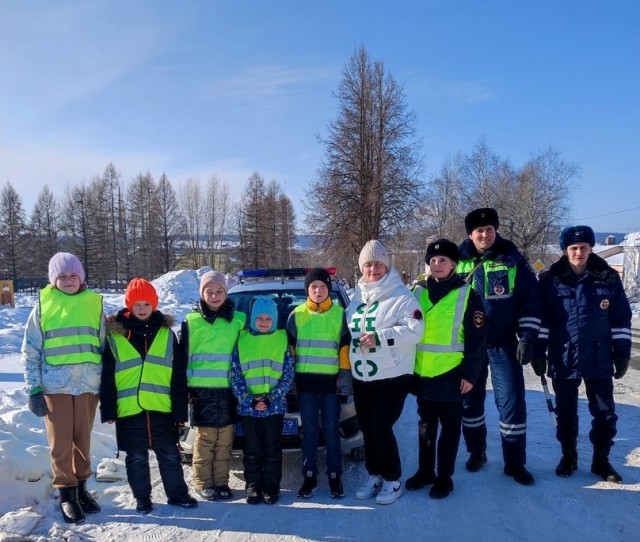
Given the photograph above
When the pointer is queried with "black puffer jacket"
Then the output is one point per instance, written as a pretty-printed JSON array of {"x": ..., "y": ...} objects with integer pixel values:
[
  {"x": 210, "y": 407},
  {"x": 148, "y": 429}
]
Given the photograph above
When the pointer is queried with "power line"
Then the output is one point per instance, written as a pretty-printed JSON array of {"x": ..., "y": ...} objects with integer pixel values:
[{"x": 609, "y": 214}]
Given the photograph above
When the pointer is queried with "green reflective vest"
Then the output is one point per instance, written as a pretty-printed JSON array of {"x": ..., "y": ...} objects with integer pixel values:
[
  {"x": 70, "y": 326},
  {"x": 261, "y": 359},
  {"x": 143, "y": 385},
  {"x": 442, "y": 345},
  {"x": 318, "y": 337},
  {"x": 499, "y": 279},
  {"x": 210, "y": 349}
]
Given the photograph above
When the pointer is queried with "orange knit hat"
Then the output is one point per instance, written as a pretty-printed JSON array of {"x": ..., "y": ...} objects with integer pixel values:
[{"x": 140, "y": 289}]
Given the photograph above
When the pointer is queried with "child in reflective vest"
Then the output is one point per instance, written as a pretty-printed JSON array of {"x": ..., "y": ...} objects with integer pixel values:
[
  {"x": 262, "y": 370},
  {"x": 207, "y": 338},
  {"x": 61, "y": 354},
  {"x": 144, "y": 390}
]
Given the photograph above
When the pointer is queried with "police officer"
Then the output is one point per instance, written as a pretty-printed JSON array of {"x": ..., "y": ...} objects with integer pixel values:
[
  {"x": 449, "y": 358},
  {"x": 509, "y": 289},
  {"x": 585, "y": 334}
]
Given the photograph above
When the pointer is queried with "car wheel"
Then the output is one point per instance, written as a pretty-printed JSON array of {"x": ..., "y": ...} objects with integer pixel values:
[{"x": 357, "y": 453}]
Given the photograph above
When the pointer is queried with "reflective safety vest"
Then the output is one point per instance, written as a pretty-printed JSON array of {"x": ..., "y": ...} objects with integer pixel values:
[
  {"x": 442, "y": 345},
  {"x": 70, "y": 326},
  {"x": 318, "y": 336},
  {"x": 143, "y": 385},
  {"x": 210, "y": 349},
  {"x": 261, "y": 359},
  {"x": 499, "y": 278}
]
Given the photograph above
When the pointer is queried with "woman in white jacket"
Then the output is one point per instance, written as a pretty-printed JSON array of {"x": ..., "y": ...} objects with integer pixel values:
[{"x": 386, "y": 324}]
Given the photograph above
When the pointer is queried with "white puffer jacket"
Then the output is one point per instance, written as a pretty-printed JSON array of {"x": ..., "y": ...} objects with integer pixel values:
[{"x": 389, "y": 308}]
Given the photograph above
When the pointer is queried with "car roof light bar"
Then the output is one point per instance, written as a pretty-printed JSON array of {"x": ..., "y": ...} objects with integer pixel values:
[{"x": 268, "y": 273}]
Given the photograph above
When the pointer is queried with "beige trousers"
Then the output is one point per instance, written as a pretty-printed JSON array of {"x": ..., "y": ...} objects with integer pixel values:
[
  {"x": 212, "y": 456},
  {"x": 69, "y": 424}
]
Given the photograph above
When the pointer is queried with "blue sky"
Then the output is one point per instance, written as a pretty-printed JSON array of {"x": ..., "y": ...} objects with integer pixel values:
[{"x": 202, "y": 88}]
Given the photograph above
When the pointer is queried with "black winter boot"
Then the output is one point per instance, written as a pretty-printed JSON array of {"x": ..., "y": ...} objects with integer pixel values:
[
  {"x": 69, "y": 505},
  {"x": 309, "y": 486},
  {"x": 603, "y": 468},
  {"x": 419, "y": 480},
  {"x": 569, "y": 460},
  {"x": 86, "y": 500},
  {"x": 476, "y": 461}
]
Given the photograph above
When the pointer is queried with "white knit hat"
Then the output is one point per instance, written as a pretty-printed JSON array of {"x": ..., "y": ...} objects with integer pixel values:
[
  {"x": 212, "y": 276},
  {"x": 374, "y": 251},
  {"x": 64, "y": 262}
]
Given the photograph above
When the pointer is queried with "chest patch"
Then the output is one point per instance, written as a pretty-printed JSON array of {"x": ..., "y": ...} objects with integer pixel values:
[
  {"x": 604, "y": 304},
  {"x": 478, "y": 319}
]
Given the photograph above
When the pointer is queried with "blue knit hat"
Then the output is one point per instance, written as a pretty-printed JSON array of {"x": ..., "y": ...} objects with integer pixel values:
[
  {"x": 264, "y": 305},
  {"x": 577, "y": 234}
]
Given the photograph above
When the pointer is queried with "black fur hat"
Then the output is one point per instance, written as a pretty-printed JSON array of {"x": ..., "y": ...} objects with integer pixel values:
[
  {"x": 485, "y": 216},
  {"x": 442, "y": 247}
]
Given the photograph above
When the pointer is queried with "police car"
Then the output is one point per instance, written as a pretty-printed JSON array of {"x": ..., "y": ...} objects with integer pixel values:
[{"x": 286, "y": 288}]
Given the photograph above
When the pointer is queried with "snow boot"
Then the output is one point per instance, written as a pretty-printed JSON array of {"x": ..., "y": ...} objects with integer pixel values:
[
  {"x": 336, "y": 489},
  {"x": 476, "y": 461},
  {"x": 254, "y": 494},
  {"x": 69, "y": 505},
  {"x": 441, "y": 488},
  {"x": 309, "y": 485},
  {"x": 568, "y": 462},
  {"x": 520, "y": 474},
  {"x": 86, "y": 500},
  {"x": 419, "y": 480},
  {"x": 603, "y": 468},
  {"x": 144, "y": 505}
]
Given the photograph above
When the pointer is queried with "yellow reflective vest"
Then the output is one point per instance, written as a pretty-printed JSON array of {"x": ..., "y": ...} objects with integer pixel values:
[
  {"x": 317, "y": 339},
  {"x": 210, "y": 349},
  {"x": 70, "y": 326},
  {"x": 261, "y": 359},
  {"x": 143, "y": 385},
  {"x": 441, "y": 347}
]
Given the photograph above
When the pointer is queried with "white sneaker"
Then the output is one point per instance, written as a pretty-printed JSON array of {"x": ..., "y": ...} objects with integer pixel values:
[
  {"x": 371, "y": 487},
  {"x": 390, "y": 492}
]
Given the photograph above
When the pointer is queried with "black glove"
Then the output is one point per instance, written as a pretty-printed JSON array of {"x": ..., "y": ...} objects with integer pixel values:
[
  {"x": 621, "y": 365},
  {"x": 539, "y": 365},
  {"x": 524, "y": 353},
  {"x": 38, "y": 405}
]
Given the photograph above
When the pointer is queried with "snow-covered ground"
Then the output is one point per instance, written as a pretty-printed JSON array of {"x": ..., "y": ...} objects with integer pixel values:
[{"x": 485, "y": 506}]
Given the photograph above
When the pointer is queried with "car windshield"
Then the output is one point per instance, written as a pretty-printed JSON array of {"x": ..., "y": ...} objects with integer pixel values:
[{"x": 286, "y": 301}]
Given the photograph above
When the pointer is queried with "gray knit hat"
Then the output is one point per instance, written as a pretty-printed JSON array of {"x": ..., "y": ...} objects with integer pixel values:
[
  {"x": 374, "y": 251},
  {"x": 212, "y": 276}
]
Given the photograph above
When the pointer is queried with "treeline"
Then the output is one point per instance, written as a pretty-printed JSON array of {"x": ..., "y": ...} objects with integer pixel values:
[
  {"x": 370, "y": 184},
  {"x": 146, "y": 227}
]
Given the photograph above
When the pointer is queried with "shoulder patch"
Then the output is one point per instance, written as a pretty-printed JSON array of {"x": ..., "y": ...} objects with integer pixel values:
[
  {"x": 478, "y": 319},
  {"x": 417, "y": 314}
]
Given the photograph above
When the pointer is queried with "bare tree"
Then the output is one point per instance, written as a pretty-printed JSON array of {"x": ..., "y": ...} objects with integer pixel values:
[
  {"x": 43, "y": 231},
  {"x": 171, "y": 222},
  {"x": 190, "y": 201},
  {"x": 111, "y": 183},
  {"x": 254, "y": 223},
  {"x": 12, "y": 232},
  {"x": 216, "y": 219},
  {"x": 75, "y": 224},
  {"x": 370, "y": 178}
]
